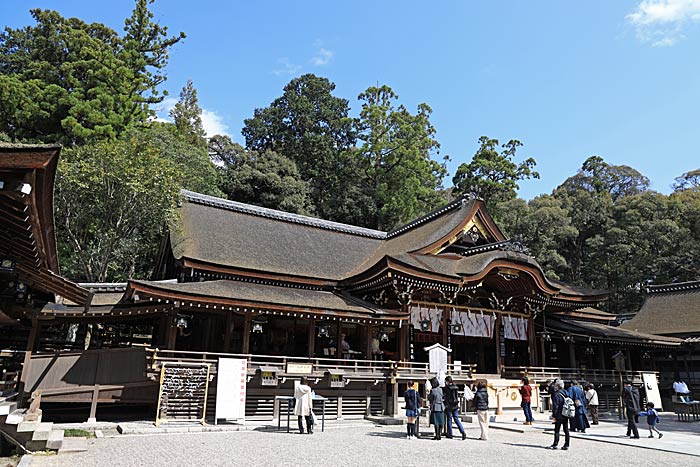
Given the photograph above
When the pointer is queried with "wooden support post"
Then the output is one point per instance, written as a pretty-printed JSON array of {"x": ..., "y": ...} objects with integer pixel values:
[
  {"x": 172, "y": 330},
  {"x": 601, "y": 356},
  {"x": 498, "y": 332},
  {"x": 543, "y": 354},
  {"x": 368, "y": 342},
  {"x": 403, "y": 342},
  {"x": 227, "y": 333},
  {"x": 93, "y": 404},
  {"x": 312, "y": 337},
  {"x": 246, "y": 333},
  {"x": 32, "y": 342},
  {"x": 340, "y": 406},
  {"x": 532, "y": 341},
  {"x": 572, "y": 355},
  {"x": 368, "y": 406}
]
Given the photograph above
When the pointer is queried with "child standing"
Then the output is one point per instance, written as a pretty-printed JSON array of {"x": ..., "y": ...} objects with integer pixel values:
[{"x": 652, "y": 420}]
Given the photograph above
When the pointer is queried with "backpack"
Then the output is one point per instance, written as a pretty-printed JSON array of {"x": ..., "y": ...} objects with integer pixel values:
[{"x": 568, "y": 407}]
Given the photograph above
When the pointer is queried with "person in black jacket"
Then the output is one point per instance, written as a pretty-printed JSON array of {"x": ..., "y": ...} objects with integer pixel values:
[
  {"x": 559, "y": 419},
  {"x": 451, "y": 393},
  {"x": 412, "y": 407},
  {"x": 481, "y": 400},
  {"x": 630, "y": 399}
]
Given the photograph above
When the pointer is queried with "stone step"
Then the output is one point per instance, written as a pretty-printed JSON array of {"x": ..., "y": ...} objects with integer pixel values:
[
  {"x": 25, "y": 426},
  {"x": 42, "y": 432},
  {"x": 55, "y": 440},
  {"x": 7, "y": 407},
  {"x": 15, "y": 417},
  {"x": 39, "y": 445},
  {"x": 73, "y": 444}
]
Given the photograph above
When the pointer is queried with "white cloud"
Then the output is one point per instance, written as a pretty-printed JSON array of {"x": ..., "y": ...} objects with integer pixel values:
[
  {"x": 661, "y": 22},
  {"x": 322, "y": 57},
  {"x": 287, "y": 67},
  {"x": 213, "y": 123}
]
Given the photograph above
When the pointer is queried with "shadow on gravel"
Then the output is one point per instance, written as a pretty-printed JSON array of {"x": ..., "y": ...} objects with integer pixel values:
[
  {"x": 521, "y": 445},
  {"x": 388, "y": 434}
]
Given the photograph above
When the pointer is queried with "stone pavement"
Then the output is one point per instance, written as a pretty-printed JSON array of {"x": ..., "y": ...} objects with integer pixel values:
[
  {"x": 679, "y": 437},
  {"x": 357, "y": 445}
]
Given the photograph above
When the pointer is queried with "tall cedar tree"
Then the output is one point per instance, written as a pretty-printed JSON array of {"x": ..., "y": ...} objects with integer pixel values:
[
  {"x": 67, "y": 81},
  {"x": 187, "y": 115}
]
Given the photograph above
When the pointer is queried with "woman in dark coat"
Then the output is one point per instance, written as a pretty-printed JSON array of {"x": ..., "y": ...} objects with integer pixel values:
[
  {"x": 580, "y": 421},
  {"x": 437, "y": 407},
  {"x": 481, "y": 401}
]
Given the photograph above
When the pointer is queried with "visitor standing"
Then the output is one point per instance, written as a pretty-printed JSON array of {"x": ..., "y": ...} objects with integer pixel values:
[
  {"x": 303, "y": 406},
  {"x": 344, "y": 347},
  {"x": 652, "y": 420},
  {"x": 580, "y": 421},
  {"x": 437, "y": 407},
  {"x": 412, "y": 407},
  {"x": 481, "y": 400},
  {"x": 452, "y": 407},
  {"x": 526, "y": 396},
  {"x": 592, "y": 403},
  {"x": 630, "y": 400},
  {"x": 561, "y": 420}
]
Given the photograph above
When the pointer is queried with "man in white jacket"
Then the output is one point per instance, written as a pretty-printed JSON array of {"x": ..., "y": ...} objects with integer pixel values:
[{"x": 304, "y": 405}]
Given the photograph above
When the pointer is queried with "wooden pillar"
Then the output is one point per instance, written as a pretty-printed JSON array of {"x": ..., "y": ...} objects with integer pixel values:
[
  {"x": 532, "y": 341},
  {"x": 601, "y": 356},
  {"x": 498, "y": 338},
  {"x": 171, "y": 327},
  {"x": 572, "y": 355},
  {"x": 368, "y": 347},
  {"x": 246, "y": 333},
  {"x": 543, "y": 354},
  {"x": 227, "y": 333},
  {"x": 312, "y": 337},
  {"x": 403, "y": 341},
  {"x": 447, "y": 320},
  {"x": 32, "y": 342}
]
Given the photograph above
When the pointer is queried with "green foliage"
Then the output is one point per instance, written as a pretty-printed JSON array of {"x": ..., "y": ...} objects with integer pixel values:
[
  {"x": 311, "y": 127},
  {"x": 193, "y": 160},
  {"x": 597, "y": 176},
  {"x": 67, "y": 81},
  {"x": 395, "y": 158},
  {"x": 688, "y": 181},
  {"x": 264, "y": 179},
  {"x": 492, "y": 174},
  {"x": 112, "y": 201},
  {"x": 187, "y": 115}
]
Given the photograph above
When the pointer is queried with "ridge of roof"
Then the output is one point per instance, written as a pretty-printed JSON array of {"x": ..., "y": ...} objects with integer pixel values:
[
  {"x": 236, "y": 206},
  {"x": 676, "y": 287},
  {"x": 459, "y": 202},
  {"x": 250, "y": 209}
]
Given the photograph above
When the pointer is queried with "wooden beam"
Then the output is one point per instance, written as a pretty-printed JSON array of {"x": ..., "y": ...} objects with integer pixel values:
[{"x": 312, "y": 337}]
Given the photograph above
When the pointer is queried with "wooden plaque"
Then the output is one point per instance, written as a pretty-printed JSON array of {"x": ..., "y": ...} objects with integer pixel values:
[{"x": 183, "y": 392}]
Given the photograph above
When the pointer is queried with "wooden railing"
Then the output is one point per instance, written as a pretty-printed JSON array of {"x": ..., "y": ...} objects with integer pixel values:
[
  {"x": 352, "y": 368},
  {"x": 568, "y": 374}
]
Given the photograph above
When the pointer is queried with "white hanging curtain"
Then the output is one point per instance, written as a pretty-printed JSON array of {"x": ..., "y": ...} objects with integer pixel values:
[{"x": 514, "y": 328}]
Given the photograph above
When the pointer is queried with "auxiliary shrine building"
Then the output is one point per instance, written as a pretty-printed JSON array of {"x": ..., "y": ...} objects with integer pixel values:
[{"x": 360, "y": 306}]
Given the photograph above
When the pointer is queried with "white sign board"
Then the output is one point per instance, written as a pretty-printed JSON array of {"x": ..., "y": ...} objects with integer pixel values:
[
  {"x": 651, "y": 386},
  {"x": 437, "y": 356},
  {"x": 230, "y": 389}
]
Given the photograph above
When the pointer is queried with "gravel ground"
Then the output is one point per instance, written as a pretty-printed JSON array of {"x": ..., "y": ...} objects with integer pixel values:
[{"x": 353, "y": 446}]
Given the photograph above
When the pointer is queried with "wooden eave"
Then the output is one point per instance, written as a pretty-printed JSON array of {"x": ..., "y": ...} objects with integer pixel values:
[
  {"x": 27, "y": 224},
  {"x": 209, "y": 303},
  {"x": 216, "y": 271}
]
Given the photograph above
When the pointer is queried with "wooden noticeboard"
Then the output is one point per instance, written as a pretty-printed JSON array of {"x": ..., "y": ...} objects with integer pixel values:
[{"x": 183, "y": 392}]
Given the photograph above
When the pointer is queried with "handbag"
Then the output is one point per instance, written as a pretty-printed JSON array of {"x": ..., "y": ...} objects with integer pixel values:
[
  {"x": 468, "y": 394},
  {"x": 313, "y": 418}
]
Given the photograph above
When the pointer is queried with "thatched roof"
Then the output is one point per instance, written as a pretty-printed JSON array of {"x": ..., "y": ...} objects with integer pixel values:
[{"x": 670, "y": 309}]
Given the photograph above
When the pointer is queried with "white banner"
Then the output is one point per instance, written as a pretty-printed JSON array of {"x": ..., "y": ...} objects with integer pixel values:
[
  {"x": 474, "y": 324},
  {"x": 514, "y": 328},
  {"x": 420, "y": 313},
  {"x": 231, "y": 389}
]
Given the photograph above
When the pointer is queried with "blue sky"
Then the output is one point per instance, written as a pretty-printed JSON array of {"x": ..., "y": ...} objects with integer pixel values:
[{"x": 619, "y": 79}]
